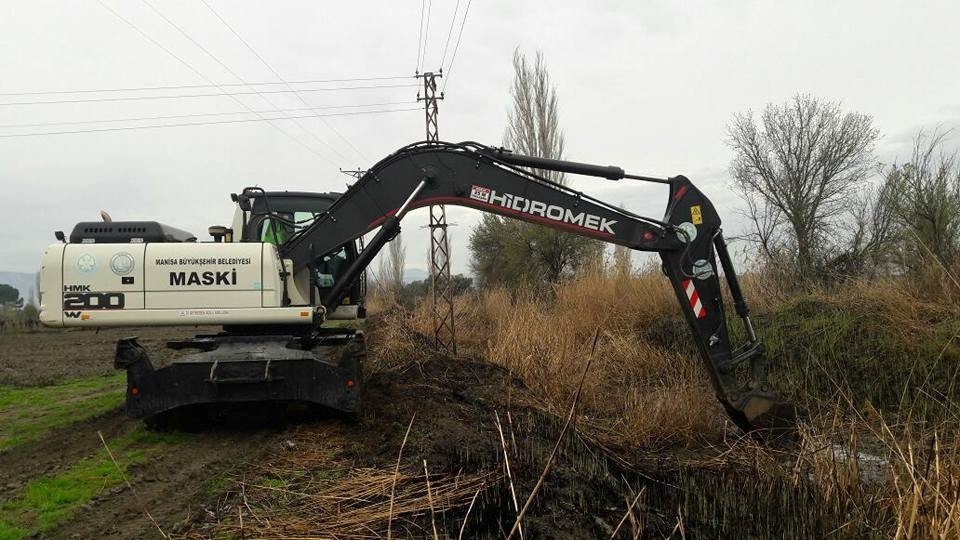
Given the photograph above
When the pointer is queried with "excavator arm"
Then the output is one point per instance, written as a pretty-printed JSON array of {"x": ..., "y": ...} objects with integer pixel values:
[{"x": 688, "y": 239}]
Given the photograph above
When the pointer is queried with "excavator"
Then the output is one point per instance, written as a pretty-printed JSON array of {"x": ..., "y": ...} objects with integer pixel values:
[{"x": 291, "y": 263}]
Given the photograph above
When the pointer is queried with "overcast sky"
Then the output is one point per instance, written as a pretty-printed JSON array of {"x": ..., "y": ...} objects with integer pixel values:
[{"x": 649, "y": 86}]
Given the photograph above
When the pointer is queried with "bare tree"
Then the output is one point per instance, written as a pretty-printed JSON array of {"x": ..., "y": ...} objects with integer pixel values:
[
  {"x": 621, "y": 260},
  {"x": 533, "y": 125},
  {"x": 392, "y": 264},
  {"x": 926, "y": 199},
  {"x": 398, "y": 261},
  {"x": 521, "y": 254},
  {"x": 798, "y": 169},
  {"x": 874, "y": 235}
]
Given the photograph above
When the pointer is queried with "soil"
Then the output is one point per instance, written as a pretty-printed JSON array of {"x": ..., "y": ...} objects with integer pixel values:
[
  {"x": 455, "y": 403},
  {"x": 47, "y": 356},
  {"x": 173, "y": 487},
  {"x": 58, "y": 449}
]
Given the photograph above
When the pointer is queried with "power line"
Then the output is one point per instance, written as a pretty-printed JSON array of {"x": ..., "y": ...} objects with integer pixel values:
[
  {"x": 187, "y": 96},
  {"x": 423, "y": 5},
  {"x": 204, "y": 77},
  {"x": 426, "y": 35},
  {"x": 277, "y": 75},
  {"x": 453, "y": 21},
  {"x": 456, "y": 47},
  {"x": 198, "y": 115},
  {"x": 188, "y": 124},
  {"x": 199, "y": 86},
  {"x": 214, "y": 57}
]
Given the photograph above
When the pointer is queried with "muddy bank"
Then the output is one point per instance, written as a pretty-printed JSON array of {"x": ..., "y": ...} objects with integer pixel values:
[{"x": 455, "y": 405}]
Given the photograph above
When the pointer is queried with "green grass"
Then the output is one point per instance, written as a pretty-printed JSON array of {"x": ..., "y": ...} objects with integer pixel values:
[
  {"x": 47, "y": 501},
  {"x": 217, "y": 485},
  {"x": 345, "y": 323},
  {"x": 818, "y": 347},
  {"x": 276, "y": 483},
  {"x": 27, "y": 413},
  {"x": 821, "y": 351}
]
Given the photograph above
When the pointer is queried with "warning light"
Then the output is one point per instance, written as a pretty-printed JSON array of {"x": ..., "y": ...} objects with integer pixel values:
[
  {"x": 84, "y": 317},
  {"x": 134, "y": 391},
  {"x": 304, "y": 313},
  {"x": 350, "y": 383},
  {"x": 648, "y": 235}
]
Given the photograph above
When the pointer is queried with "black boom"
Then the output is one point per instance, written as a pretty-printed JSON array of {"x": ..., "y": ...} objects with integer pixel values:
[{"x": 688, "y": 239}]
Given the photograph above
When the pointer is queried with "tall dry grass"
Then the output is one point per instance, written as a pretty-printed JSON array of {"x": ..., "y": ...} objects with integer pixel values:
[
  {"x": 637, "y": 395},
  {"x": 876, "y": 362}
]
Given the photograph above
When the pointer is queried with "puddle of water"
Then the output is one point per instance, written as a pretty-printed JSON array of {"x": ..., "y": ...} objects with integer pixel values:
[{"x": 873, "y": 469}]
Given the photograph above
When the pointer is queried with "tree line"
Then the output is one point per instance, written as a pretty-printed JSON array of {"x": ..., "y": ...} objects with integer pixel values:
[
  {"x": 823, "y": 208},
  {"x": 819, "y": 205},
  {"x": 14, "y": 312}
]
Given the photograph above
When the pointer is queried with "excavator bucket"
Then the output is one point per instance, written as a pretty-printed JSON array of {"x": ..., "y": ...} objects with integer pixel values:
[{"x": 765, "y": 417}]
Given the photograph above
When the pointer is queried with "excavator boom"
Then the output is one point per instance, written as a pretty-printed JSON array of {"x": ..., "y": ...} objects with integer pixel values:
[{"x": 688, "y": 239}]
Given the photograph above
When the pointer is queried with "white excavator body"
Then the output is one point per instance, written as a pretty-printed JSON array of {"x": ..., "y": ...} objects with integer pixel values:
[{"x": 165, "y": 284}]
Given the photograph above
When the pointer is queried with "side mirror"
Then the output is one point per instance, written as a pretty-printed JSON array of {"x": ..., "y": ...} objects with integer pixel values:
[
  {"x": 60, "y": 236},
  {"x": 244, "y": 203}
]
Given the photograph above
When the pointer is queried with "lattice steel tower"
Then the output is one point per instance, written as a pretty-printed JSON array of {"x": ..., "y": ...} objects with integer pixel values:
[{"x": 444, "y": 330}]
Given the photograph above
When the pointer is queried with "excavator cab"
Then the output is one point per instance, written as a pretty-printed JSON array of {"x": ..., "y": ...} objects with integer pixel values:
[{"x": 274, "y": 217}]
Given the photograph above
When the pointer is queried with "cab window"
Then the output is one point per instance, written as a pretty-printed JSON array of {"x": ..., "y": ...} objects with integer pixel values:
[
  {"x": 329, "y": 268},
  {"x": 276, "y": 232}
]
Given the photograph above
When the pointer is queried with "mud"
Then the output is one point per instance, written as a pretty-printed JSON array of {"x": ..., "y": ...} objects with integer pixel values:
[
  {"x": 457, "y": 403},
  {"x": 454, "y": 404}
]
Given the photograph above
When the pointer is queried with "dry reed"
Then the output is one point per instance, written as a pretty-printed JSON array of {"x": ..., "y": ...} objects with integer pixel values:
[{"x": 859, "y": 467}]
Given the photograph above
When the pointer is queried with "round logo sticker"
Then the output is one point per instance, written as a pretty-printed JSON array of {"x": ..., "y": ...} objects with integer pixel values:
[
  {"x": 688, "y": 228},
  {"x": 86, "y": 263},
  {"x": 122, "y": 263},
  {"x": 702, "y": 269}
]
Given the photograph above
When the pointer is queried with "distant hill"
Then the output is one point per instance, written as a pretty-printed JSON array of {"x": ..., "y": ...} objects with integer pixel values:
[
  {"x": 23, "y": 282},
  {"x": 414, "y": 274}
]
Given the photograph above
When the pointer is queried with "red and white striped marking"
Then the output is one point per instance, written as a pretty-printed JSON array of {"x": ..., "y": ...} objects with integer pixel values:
[{"x": 694, "y": 298}]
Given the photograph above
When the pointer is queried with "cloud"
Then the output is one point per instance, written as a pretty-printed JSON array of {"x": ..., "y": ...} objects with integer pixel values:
[{"x": 647, "y": 86}]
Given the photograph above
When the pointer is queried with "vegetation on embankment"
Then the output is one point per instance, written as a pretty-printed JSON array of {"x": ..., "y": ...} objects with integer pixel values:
[
  {"x": 47, "y": 501},
  {"x": 28, "y": 413},
  {"x": 875, "y": 363}
]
